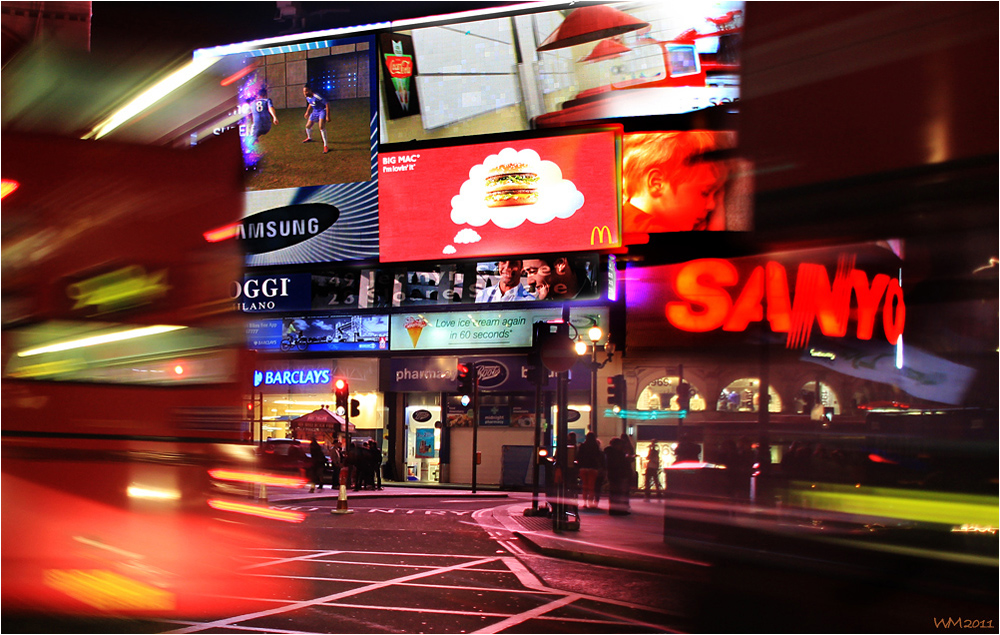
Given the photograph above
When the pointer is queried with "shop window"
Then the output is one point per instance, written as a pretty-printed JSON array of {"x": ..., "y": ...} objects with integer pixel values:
[
  {"x": 827, "y": 404},
  {"x": 661, "y": 394},
  {"x": 743, "y": 395}
]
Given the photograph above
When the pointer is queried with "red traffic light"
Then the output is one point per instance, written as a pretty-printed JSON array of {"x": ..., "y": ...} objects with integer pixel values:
[
  {"x": 465, "y": 379},
  {"x": 341, "y": 392}
]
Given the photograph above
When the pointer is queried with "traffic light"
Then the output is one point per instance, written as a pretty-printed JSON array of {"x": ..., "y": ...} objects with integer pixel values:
[
  {"x": 355, "y": 408},
  {"x": 616, "y": 392},
  {"x": 684, "y": 396},
  {"x": 466, "y": 381},
  {"x": 538, "y": 374},
  {"x": 341, "y": 390}
]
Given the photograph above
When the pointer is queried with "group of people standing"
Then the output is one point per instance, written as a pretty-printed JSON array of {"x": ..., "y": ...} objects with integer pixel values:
[
  {"x": 363, "y": 462},
  {"x": 592, "y": 466}
]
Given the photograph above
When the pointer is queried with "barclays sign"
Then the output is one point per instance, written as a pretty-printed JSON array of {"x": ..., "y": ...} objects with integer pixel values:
[{"x": 291, "y": 377}]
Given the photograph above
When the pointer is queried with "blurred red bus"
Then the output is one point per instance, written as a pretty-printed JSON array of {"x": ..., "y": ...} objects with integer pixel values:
[{"x": 126, "y": 452}]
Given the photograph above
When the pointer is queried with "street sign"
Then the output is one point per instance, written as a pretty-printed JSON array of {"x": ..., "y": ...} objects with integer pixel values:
[{"x": 558, "y": 353}]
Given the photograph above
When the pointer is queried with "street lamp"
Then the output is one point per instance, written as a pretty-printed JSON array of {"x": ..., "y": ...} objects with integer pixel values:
[{"x": 594, "y": 335}]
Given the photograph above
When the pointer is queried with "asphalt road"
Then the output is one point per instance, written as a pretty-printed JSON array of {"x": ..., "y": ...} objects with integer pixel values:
[{"x": 434, "y": 565}]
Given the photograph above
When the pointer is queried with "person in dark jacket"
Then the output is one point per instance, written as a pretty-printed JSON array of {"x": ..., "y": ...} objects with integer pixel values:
[
  {"x": 589, "y": 461},
  {"x": 318, "y": 464}
]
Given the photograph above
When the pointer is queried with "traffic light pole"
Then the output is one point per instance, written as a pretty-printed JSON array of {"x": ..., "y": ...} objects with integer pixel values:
[
  {"x": 538, "y": 443},
  {"x": 562, "y": 437},
  {"x": 475, "y": 422}
]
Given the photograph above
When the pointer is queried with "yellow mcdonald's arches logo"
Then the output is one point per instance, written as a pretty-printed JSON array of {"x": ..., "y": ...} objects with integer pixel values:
[{"x": 598, "y": 234}]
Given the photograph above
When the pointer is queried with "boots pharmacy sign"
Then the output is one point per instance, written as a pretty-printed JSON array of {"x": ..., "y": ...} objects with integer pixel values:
[{"x": 713, "y": 294}]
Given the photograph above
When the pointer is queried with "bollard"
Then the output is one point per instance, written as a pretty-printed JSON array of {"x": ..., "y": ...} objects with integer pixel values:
[{"x": 342, "y": 498}]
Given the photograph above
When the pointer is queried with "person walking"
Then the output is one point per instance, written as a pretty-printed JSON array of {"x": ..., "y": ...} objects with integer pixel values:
[
  {"x": 376, "y": 454},
  {"x": 653, "y": 470},
  {"x": 589, "y": 459},
  {"x": 318, "y": 464},
  {"x": 629, "y": 450}
]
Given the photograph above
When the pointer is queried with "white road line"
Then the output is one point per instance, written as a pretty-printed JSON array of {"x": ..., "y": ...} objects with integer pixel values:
[
  {"x": 520, "y": 618},
  {"x": 330, "y": 598},
  {"x": 381, "y": 553},
  {"x": 525, "y": 576},
  {"x": 403, "y": 609},
  {"x": 530, "y": 581},
  {"x": 511, "y": 547},
  {"x": 398, "y": 565},
  {"x": 302, "y": 558},
  {"x": 414, "y": 585}
]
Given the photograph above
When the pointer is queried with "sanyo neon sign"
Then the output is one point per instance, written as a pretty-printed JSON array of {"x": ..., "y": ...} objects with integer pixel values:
[
  {"x": 705, "y": 303},
  {"x": 291, "y": 377}
]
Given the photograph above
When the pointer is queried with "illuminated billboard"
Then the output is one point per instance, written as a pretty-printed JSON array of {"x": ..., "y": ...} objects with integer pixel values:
[
  {"x": 530, "y": 195},
  {"x": 306, "y": 116},
  {"x": 671, "y": 183},
  {"x": 851, "y": 293},
  {"x": 322, "y": 333},
  {"x": 439, "y": 330},
  {"x": 553, "y": 68}
]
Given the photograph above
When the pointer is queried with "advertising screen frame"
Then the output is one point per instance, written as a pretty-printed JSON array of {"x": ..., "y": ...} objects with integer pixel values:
[{"x": 462, "y": 220}]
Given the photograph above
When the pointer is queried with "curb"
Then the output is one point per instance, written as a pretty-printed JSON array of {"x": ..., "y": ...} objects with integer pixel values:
[{"x": 648, "y": 564}]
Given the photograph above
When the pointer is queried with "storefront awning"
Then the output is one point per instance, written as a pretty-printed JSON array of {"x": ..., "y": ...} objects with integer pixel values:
[{"x": 323, "y": 419}]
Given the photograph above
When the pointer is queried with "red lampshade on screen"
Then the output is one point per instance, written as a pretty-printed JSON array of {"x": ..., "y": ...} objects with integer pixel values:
[
  {"x": 605, "y": 50},
  {"x": 591, "y": 23}
]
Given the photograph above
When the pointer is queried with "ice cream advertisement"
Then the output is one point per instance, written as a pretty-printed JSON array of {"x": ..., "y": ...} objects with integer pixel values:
[
  {"x": 512, "y": 197},
  {"x": 443, "y": 330}
]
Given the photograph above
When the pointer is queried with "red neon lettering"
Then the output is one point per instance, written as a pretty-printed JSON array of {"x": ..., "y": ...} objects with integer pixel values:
[
  {"x": 893, "y": 320},
  {"x": 704, "y": 303},
  {"x": 748, "y": 306},
  {"x": 699, "y": 283},
  {"x": 868, "y": 298},
  {"x": 779, "y": 303}
]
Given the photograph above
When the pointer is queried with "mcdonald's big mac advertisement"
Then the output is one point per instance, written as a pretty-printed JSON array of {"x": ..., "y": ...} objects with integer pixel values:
[{"x": 551, "y": 194}]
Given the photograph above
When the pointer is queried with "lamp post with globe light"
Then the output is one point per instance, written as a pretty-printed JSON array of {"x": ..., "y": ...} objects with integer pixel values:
[{"x": 594, "y": 335}]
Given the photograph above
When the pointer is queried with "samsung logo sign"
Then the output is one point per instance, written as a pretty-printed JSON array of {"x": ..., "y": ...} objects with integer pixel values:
[
  {"x": 285, "y": 226},
  {"x": 290, "y": 377}
]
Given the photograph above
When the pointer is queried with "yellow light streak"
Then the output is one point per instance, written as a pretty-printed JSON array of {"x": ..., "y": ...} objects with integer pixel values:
[
  {"x": 96, "y": 340},
  {"x": 135, "y": 491},
  {"x": 108, "y": 591},
  {"x": 154, "y": 94}
]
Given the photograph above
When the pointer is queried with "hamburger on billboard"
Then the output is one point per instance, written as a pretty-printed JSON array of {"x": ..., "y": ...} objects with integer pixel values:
[{"x": 558, "y": 193}]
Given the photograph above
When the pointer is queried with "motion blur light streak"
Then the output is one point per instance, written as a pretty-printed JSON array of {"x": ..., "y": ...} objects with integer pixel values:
[
  {"x": 254, "y": 510},
  {"x": 108, "y": 591},
  {"x": 259, "y": 479},
  {"x": 135, "y": 491},
  {"x": 222, "y": 233},
  {"x": 95, "y": 340},
  {"x": 242, "y": 47},
  {"x": 240, "y": 74},
  {"x": 144, "y": 101},
  {"x": 8, "y": 186},
  {"x": 950, "y": 508}
]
